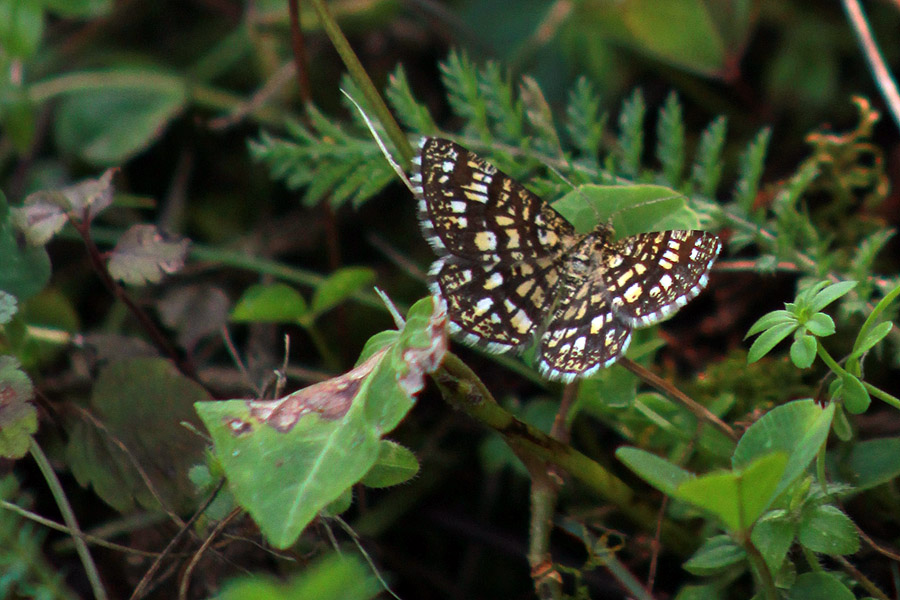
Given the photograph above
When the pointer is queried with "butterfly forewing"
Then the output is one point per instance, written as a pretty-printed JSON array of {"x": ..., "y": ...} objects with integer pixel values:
[
  {"x": 651, "y": 275},
  {"x": 470, "y": 209}
]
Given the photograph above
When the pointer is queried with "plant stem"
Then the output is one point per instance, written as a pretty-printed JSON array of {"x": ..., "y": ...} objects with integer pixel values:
[
  {"x": 69, "y": 517},
  {"x": 839, "y": 370},
  {"x": 361, "y": 78}
]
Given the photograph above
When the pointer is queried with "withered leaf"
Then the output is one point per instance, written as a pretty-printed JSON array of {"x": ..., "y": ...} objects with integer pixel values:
[{"x": 144, "y": 254}]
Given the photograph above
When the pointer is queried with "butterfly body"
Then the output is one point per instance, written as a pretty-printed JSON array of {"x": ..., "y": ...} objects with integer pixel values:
[{"x": 514, "y": 270}]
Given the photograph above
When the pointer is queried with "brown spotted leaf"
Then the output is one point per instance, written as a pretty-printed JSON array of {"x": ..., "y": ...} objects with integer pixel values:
[
  {"x": 18, "y": 417},
  {"x": 144, "y": 254},
  {"x": 286, "y": 460}
]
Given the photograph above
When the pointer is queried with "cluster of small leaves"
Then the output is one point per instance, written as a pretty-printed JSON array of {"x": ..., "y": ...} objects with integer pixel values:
[{"x": 766, "y": 503}]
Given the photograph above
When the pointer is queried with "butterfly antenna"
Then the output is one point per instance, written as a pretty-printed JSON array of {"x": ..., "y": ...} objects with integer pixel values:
[{"x": 399, "y": 171}]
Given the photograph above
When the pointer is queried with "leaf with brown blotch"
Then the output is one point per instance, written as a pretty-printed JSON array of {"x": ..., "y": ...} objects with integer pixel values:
[
  {"x": 18, "y": 417},
  {"x": 287, "y": 460},
  {"x": 144, "y": 254}
]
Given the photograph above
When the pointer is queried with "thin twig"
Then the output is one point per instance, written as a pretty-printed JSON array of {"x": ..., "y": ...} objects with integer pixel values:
[
  {"x": 698, "y": 410},
  {"x": 84, "y": 554},
  {"x": 883, "y": 77},
  {"x": 186, "y": 577},
  {"x": 299, "y": 49}
]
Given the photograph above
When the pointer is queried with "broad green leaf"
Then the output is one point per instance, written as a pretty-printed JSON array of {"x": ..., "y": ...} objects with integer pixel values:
[
  {"x": 798, "y": 428},
  {"x": 738, "y": 498},
  {"x": 827, "y": 530},
  {"x": 21, "y": 27},
  {"x": 144, "y": 254},
  {"x": 829, "y": 294},
  {"x": 773, "y": 535},
  {"x": 768, "y": 339},
  {"x": 272, "y": 303},
  {"x": 140, "y": 403},
  {"x": 656, "y": 471},
  {"x": 803, "y": 351},
  {"x": 127, "y": 111},
  {"x": 632, "y": 209},
  {"x": 870, "y": 463},
  {"x": 288, "y": 459},
  {"x": 334, "y": 577},
  {"x": 18, "y": 417},
  {"x": 856, "y": 397},
  {"x": 769, "y": 320},
  {"x": 395, "y": 465},
  {"x": 24, "y": 270},
  {"x": 717, "y": 554},
  {"x": 339, "y": 286},
  {"x": 819, "y": 586},
  {"x": 820, "y": 325}
]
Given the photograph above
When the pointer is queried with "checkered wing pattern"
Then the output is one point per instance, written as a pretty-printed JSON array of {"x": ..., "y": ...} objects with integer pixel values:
[
  {"x": 650, "y": 276},
  {"x": 583, "y": 334},
  {"x": 469, "y": 209},
  {"x": 497, "y": 306}
]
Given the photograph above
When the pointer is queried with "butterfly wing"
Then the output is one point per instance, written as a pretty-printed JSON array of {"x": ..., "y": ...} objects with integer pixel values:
[
  {"x": 651, "y": 275},
  {"x": 495, "y": 306},
  {"x": 469, "y": 209},
  {"x": 583, "y": 334}
]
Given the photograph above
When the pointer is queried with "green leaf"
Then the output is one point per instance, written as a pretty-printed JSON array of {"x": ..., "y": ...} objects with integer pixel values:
[
  {"x": 670, "y": 140},
  {"x": 584, "y": 122},
  {"x": 769, "y": 339},
  {"x": 631, "y": 209},
  {"x": 658, "y": 472},
  {"x": 506, "y": 113},
  {"x": 856, "y": 397},
  {"x": 631, "y": 134},
  {"x": 412, "y": 114},
  {"x": 819, "y": 586},
  {"x": 873, "y": 336},
  {"x": 395, "y": 465},
  {"x": 773, "y": 535},
  {"x": 273, "y": 303},
  {"x": 707, "y": 170},
  {"x": 334, "y": 577},
  {"x": 24, "y": 270},
  {"x": 460, "y": 77},
  {"x": 9, "y": 306},
  {"x": 798, "y": 428},
  {"x": 827, "y": 530},
  {"x": 110, "y": 124},
  {"x": 829, "y": 294},
  {"x": 768, "y": 320},
  {"x": 717, "y": 554},
  {"x": 288, "y": 459},
  {"x": 21, "y": 27},
  {"x": 339, "y": 286},
  {"x": 18, "y": 417},
  {"x": 870, "y": 463},
  {"x": 751, "y": 168},
  {"x": 738, "y": 498},
  {"x": 803, "y": 351},
  {"x": 820, "y": 325},
  {"x": 140, "y": 403},
  {"x": 144, "y": 254}
]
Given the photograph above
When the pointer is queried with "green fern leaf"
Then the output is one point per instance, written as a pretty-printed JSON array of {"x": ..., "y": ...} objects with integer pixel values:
[
  {"x": 631, "y": 134},
  {"x": 707, "y": 171},
  {"x": 751, "y": 168},
  {"x": 586, "y": 123},
  {"x": 413, "y": 115},
  {"x": 670, "y": 141},
  {"x": 461, "y": 80}
]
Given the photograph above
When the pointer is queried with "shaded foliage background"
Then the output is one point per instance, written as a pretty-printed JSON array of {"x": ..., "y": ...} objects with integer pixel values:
[{"x": 197, "y": 105}]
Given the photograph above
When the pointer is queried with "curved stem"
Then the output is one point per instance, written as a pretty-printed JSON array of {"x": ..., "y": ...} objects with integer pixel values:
[{"x": 71, "y": 522}]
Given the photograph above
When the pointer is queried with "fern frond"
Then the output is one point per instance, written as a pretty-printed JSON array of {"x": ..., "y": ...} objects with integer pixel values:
[
  {"x": 460, "y": 77},
  {"x": 670, "y": 140},
  {"x": 506, "y": 112},
  {"x": 631, "y": 134},
  {"x": 707, "y": 171},
  {"x": 751, "y": 168},
  {"x": 586, "y": 123},
  {"x": 412, "y": 114}
]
